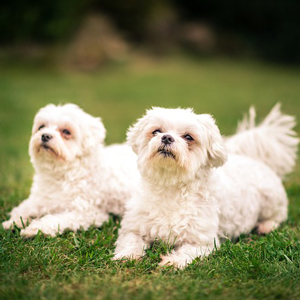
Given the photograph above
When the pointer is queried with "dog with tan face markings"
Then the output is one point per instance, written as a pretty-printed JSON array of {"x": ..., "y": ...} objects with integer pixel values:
[
  {"x": 77, "y": 181},
  {"x": 192, "y": 191}
]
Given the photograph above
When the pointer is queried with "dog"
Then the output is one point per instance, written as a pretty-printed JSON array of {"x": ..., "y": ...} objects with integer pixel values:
[
  {"x": 193, "y": 192},
  {"x": 78, "y": 181}
]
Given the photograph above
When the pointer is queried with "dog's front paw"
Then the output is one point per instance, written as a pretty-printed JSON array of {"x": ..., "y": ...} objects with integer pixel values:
[
  {"x": 29, "y": 232},
  {"x": 171, "y": 260},
  {"x": 9, "y": 224},
  {"x": 35, "y": 227},
  {"x": 166, "y": 261},
  {"x": 126, "y": 256}
]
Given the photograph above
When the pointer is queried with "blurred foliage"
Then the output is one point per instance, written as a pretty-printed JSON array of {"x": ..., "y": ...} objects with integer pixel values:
[
  {"x": 131, "y": 16},
  {"x": 41, "y": 21},
  {"x": 269, "y": 28}
]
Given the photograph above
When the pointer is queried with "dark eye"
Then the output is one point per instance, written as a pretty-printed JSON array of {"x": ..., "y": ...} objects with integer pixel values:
[
  {"x": 155, "y": 132},
  {"x": 66, "y": 132},
  {"x": 42, "y": 126},
  {"x": 188, "y": 137}
]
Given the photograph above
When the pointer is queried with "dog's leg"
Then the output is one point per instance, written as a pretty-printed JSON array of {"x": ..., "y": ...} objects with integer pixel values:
[
  {"x": 185, "y": 254},
  {"x": 130, "y": 246},
  {"x": 274, "y": 209},
  {"x": 28, "y": 208},
  {"x": 52, "y": 225}
]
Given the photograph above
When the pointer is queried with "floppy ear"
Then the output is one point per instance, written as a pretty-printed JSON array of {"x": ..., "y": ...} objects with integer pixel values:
[
  {"x": 216, "y": 151},
  {"x": 98, "y": 130},
  {"x": 94, "y": 133},
  {"x": 134, "y": 134}
]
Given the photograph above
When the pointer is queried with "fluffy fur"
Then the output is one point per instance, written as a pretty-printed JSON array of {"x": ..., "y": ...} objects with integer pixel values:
[
  {"x": 272, "y": 142},
  {"x": 192, "y": 193},
  {"x": 77, "y": 181}
]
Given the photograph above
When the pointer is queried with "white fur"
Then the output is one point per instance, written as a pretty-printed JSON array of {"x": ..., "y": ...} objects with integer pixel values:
[
  {"x": 191, "y": 195},
  {"x": 78, "y": 181},
  {"x": 273, "y": 142}
]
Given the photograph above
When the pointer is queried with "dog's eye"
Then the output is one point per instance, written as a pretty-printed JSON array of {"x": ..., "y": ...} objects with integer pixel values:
[
  {"x": 188, "y": 137},
  {"x": 155, "y": 132},
  {"x": 66, "y": 132},
  {"x": 42, "y": 126}
]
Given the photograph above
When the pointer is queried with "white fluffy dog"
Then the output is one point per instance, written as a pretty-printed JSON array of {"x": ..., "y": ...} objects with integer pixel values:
[
  {"x": 77, "y": 180},
  {"x": 192, "y": 193}
]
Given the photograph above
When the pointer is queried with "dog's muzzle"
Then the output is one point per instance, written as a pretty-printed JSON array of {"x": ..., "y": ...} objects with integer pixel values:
[{"x": 166, "y": 151}]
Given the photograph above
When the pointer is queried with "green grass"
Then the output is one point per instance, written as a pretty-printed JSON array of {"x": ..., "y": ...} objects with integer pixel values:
[{"x": 79, "y": 266}]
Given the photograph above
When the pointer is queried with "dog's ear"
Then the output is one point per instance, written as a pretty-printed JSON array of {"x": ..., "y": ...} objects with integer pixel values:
[
  {"x": 98, "y": 130},
  {"x": 134, "y": 134},
  {"x": 94, "y": 133},
  {"x": 216, "y": 151}
]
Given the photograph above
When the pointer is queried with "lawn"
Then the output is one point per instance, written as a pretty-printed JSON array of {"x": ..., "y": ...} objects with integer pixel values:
[{"x": 79, "y": 266}]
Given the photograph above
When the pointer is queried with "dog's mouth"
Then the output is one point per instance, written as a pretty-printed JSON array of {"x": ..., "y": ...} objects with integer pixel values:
[
  {"x": 166, "y": 152},
  {"x": 48, "y": 149}
]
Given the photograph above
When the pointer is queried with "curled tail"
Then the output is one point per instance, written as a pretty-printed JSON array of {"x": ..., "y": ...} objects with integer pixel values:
[{"x": 273, "y": 142}]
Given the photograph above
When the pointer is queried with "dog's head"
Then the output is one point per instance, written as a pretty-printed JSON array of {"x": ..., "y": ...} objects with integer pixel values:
[
  {"x": 176, "y": 142},
  {"x": 61, "y": 134}
]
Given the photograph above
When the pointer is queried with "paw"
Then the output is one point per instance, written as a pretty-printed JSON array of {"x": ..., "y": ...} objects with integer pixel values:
[
  {"x": 29, "y": 232},
  {"x": 166, "y": 261},
  {"x": 267, "y": 226},
  {"x": 35, "y": 227},
  {"x": 126, "y": 256},
  {"x": 171, "y": 260},
  {"x": 10, "y": 223}
]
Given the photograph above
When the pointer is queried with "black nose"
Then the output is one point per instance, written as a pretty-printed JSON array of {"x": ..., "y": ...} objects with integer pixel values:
[
  {"x": 167, "y": 139},
  {"x": 46, "y": 137}
]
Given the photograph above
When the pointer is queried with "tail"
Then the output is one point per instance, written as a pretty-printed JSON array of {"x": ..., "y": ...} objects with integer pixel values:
[{"x": 273, "y": 142}]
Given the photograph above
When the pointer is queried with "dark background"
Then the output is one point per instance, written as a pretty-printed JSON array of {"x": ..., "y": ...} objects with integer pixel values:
[{"x": 268, "y": 29}]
